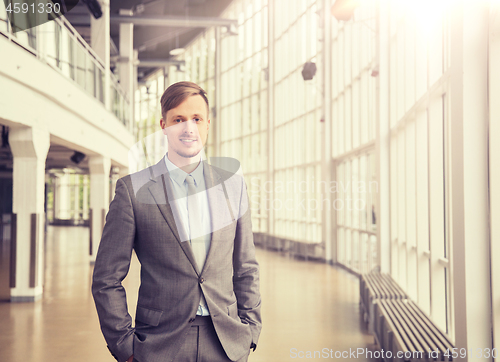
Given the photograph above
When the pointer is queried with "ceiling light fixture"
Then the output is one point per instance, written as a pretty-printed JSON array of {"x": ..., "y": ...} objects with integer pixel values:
[
  {"x": 343, "y": 10},
  {"x": 177, "y": 51}
]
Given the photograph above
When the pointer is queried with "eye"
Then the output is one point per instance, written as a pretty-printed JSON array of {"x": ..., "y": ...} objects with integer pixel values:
[
  {"x": 178, "y": 120},
  {"x": 196, "y": 119}
]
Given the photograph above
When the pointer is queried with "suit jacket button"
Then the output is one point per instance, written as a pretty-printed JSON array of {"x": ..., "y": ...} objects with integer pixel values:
[
  {"x": 202, "y": 280},
  {"x": 191, "y": 320}
]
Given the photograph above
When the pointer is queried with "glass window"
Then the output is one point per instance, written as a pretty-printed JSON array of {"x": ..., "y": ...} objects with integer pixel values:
[{"x": 81, "y": 65}]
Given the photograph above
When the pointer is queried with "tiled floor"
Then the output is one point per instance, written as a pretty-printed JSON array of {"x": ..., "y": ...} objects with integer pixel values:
[{"x": 306, "y": 306}]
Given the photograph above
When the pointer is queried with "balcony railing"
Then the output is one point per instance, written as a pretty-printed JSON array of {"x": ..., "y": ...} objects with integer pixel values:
[{"x": 66, "y": 51}]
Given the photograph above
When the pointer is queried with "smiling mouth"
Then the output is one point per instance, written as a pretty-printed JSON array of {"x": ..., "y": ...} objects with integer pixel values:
[{"x": 187, "y": 140}]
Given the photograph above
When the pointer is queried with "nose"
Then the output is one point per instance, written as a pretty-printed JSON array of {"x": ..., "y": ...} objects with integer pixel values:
[{"x": 190, "y": 126}]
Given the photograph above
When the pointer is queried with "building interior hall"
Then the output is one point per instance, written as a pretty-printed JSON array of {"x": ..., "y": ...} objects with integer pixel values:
[{"x": 366, "y": 132}]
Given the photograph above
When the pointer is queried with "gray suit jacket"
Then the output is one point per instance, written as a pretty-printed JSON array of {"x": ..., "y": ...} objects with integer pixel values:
[{"x": 142, "y": 217}]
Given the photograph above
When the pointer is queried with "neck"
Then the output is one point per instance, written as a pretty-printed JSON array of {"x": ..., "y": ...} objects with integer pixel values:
[{"x": 187, "y": 164}]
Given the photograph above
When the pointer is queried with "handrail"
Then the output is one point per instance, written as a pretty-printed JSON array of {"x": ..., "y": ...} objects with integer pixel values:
[
  {"x": 64, "y": 22},
  {"x": 119, "y": 88},
  {"x": 87, "y": 73}
]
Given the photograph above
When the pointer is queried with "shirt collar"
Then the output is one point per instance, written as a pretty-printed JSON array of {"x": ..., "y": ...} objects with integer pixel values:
[{"x": 179, "y": 176}]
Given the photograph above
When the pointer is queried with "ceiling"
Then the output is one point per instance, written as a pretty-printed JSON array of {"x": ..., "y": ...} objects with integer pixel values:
[{"x": 152, "y": 42}]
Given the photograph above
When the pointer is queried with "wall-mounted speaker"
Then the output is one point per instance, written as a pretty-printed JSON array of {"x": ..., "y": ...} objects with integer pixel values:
[
  {"x": 77, "y": 157},
  {"x": 309, "y": 70},
  {"x": 94, "y": 8}
]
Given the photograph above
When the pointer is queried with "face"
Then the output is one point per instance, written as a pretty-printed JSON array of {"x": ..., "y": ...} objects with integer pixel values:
[{"x": 186, "y": 127}]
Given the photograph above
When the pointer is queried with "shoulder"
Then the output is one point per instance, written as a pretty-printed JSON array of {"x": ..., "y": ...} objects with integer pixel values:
[
  {"x": 135, "y": 180},
  {"x": 142, "y": 177},
  {"x": 138, "y": 183}
]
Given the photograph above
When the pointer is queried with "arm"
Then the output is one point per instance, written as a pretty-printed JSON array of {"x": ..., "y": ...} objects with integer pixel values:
[
  {"x": 246, "y": 270},
  {"x": 111, "y": 267}
]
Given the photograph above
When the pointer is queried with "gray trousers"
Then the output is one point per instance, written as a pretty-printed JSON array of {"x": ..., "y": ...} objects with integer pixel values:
[{"x": 203, "y": 345}]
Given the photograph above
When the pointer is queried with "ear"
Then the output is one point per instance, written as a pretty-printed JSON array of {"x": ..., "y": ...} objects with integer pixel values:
[
  {"x": 163, "y": 126},
  {"x": 208, "y": 123}
]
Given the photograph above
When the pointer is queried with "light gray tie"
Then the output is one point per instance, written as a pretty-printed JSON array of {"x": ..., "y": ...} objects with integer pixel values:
[{"x": 197, "y": 243}]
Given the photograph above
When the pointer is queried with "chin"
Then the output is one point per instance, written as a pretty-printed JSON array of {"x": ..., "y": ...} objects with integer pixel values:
[{"x": 189, "y": 154}]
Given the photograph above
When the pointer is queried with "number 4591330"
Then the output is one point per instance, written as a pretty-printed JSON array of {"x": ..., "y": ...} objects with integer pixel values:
[{"x": 33, "y": 8}]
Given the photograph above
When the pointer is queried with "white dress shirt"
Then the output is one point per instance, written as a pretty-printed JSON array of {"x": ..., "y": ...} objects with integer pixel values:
[{"x": 180, "y": 189}]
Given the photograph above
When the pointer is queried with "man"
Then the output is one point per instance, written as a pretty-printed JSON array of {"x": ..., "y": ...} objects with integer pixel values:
[{"x": 189, "y": 224}]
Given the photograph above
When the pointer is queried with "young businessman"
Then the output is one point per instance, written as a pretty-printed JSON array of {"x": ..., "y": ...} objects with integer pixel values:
[{"x": 189, "y": 224}]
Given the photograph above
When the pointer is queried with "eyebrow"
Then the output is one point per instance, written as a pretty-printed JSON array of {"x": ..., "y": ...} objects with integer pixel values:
[{"x": 179, "y": 116}]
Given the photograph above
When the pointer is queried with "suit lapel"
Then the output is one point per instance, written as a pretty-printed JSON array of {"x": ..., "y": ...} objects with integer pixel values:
[{"x": 160, "y": 189}]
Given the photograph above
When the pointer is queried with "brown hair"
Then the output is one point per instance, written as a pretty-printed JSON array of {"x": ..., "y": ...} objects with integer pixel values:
[{"x": 178, "y": 93}]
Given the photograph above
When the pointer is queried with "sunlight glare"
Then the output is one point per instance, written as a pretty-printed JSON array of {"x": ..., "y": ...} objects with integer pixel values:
[{"x": 427, "y": 14}]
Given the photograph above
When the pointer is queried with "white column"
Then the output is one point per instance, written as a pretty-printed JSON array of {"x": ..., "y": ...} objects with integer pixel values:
[
  {"x": 62, "y": 197},
  {"x": 29, "y": 147},
  {"x": 114, "y": 177},
  {"x": 127, "y": 59},
  {"x": 76, "y": 201},
  {"x": 85, "y": 197},
  {"x": 100, "y": 42},
  {"x": 99, "y": 167},
  {"x": 218, "y": 92},
  {"x": 494, "y": 94},
  {"x": 326, "y": 166},
  {"x": 383, "y": 141},
  {"x": 132, "y": 125},
  {"x": 46, "y": 205},
  {"x": 469, "y": 178},
  {"x": 270, "y": 117},
  {"x": 57, "y": 191}
]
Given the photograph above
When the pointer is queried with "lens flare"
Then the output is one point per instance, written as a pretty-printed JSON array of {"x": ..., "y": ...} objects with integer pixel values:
[{"x": 426, "y": 14}]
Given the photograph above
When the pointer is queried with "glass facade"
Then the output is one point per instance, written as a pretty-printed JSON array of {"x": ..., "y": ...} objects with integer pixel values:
[
  {"x": 147, "y": 116},
  {"x": 354, "y": 116},
  {"x": 273, "y": 121},
  {"x": 372, "y": 131},
  {"x": 419, "y": 117},
  {"x": 297, "y": 111},
  {"x": 243, "y": 103},
  {"x": 241, "y": 126}
]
